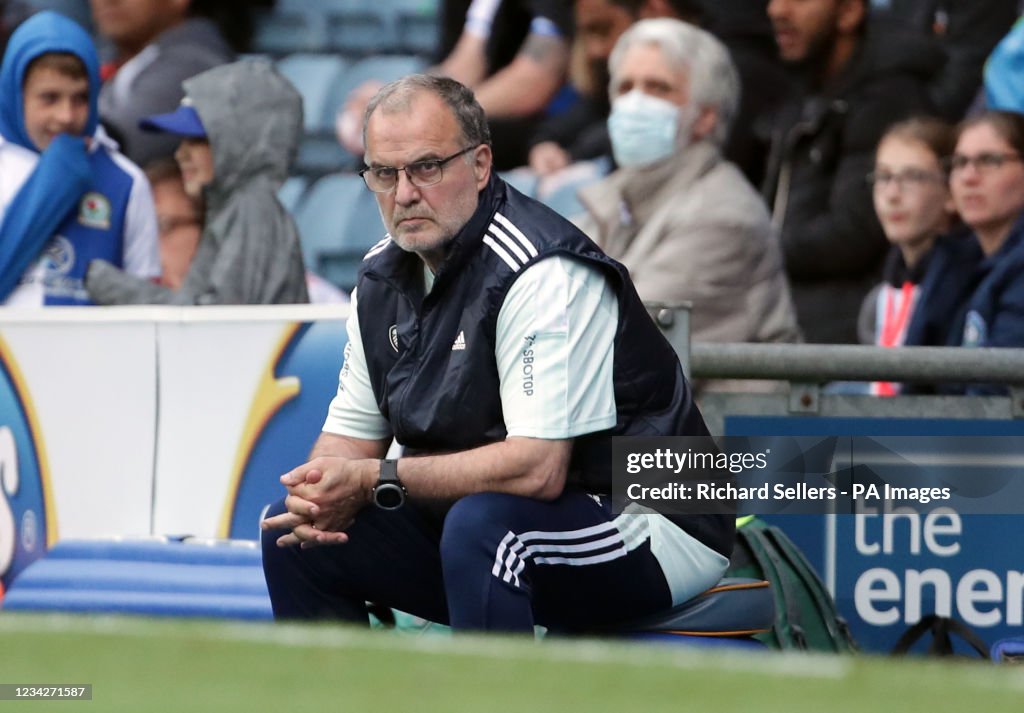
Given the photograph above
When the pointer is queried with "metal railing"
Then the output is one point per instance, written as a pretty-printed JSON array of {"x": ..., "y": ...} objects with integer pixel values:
[
  {"x": 806, "y": 367},
  {"x": 818, "y": 363}
]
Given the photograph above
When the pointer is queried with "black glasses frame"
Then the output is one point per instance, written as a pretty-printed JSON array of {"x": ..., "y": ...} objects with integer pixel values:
[{"x": 438, "y": 162}]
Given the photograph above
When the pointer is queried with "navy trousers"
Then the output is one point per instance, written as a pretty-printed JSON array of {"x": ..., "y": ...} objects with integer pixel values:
[{"x": 494, "y": 562}]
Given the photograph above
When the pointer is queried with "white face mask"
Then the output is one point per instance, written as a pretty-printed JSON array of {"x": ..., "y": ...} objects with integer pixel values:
[{"x": 644, "y": 129}]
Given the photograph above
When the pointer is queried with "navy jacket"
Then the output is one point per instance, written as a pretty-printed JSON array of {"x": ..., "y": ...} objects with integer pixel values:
[
  {"x": 971, "y": 300},
  {"x": 438, "y": 399}
]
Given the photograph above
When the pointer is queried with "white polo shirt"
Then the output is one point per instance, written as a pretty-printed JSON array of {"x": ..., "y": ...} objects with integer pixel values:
[{"x": 574, "y": 314}]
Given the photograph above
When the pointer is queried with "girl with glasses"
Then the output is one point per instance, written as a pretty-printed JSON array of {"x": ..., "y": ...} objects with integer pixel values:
[
  {"x": 973, "y": 292},
  {"x": 913, "y": 204}
]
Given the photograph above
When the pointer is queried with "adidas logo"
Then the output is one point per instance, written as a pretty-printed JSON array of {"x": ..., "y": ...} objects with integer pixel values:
[{"x": 460, "y": 342}]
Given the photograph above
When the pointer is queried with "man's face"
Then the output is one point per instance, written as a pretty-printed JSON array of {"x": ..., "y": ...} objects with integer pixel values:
[
  {"x": 424, "y": 219},
  {"x": 132, "y": 24},
  {"x": 54, "y": 103},
  {"x": 599, "y": 24},
  {"x": 804, "y": 29},
  {"x": 196, "y": 161}
]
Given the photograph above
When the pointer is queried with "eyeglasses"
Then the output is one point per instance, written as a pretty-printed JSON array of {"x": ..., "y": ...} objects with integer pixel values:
[
  {"x": 910, "y": 178},
  {"x": 983, "y": 162},
  {"x": 383, "y": 179}
]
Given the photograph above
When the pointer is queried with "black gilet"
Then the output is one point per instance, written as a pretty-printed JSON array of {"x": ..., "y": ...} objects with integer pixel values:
[{"x": 431, "y": 357}]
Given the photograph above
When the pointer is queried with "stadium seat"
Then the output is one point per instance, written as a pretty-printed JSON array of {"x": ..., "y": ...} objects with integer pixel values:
[
  {"x": 285, "y": 31},
  {"x": 522, "y": 179},
  {"x": 361, "y": 231},
  {"x": 382, "y": 68},
  {"x": 291, "y": 192},
  {"x": 313, "y": 75},
  {"x": 152, "y": 576},
  {"x": 320, "y": 154},
  {"x": 417, "y": 26},
  {"x": 559, "y": 191},
  {"x": 339, "y": 222},
  {"x": 360, "y": 29},
  {"x": 323, "y": 211}
]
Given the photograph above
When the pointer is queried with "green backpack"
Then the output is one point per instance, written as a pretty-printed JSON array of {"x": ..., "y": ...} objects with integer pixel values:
[{"x": 805, "y": 613}]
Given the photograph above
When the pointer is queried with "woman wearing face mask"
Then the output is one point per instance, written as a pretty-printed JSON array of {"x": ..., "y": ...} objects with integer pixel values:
[
  {"x": 686, "y": 223},
  {"x": 913, "y": 204}
]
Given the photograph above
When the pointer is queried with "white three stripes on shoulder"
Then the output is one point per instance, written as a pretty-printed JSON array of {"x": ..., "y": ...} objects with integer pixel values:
[
  {"x": 523, "y": 240},
  {"x": 509, "y": 243},
  {"x": 379, "y": 247}
]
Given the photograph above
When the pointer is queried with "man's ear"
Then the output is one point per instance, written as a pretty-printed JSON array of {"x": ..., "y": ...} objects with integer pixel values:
[
  {"x": 852, "y": 15},
  {"x": 483, "y": 160},
  {"x": 705, "y": 124}
]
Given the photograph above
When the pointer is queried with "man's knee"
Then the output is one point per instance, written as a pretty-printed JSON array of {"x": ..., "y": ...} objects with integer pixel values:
[
  {"x": 480, "y": 515},
  {"x": 476, "y": 525}
]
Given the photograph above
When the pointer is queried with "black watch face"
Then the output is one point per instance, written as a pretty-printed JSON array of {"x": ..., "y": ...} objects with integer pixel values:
[{"x": 389, "y": 496}]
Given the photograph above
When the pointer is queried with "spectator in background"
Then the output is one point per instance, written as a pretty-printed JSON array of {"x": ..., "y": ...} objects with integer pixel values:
[
  {"x": 514, "y": 54},
  {"x": 158, "y": 44},
  {"x": 685, "y": 222},
  {"x": 180, "y": 220},
  {"x": 973, "y": 292},
  {"x": 240, "y": 125},
  {"x": 854, "y": 85},
  {"x": 66, "y": 195},
  {"x": 987, "y": 182},
  {"x": 966, "y": 30},
  {"x": 913, "y": 203},
  {"x": 580, "y": 132}
]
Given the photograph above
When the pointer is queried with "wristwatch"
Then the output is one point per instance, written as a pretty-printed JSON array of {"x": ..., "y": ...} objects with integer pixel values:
[{"x": 389, "y": 493}]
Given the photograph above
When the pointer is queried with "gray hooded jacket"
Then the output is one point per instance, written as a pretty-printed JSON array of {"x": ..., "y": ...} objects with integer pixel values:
[{"x": 249, "y": 252}]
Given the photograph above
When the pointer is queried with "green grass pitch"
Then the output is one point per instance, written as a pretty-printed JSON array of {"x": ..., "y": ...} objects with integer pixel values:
[{"x": 176, "y": 665}]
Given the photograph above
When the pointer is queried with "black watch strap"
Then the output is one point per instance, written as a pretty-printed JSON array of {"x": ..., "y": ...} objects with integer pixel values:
[
  {"x": 389, "y": 472},
  {"x": 389, "y": 493}
]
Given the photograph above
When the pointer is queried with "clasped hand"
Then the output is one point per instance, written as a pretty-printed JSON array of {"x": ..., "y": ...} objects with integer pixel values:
[{"x": 324, "y": 496}]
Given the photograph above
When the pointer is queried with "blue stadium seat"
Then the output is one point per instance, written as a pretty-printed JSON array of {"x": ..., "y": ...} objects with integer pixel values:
[
  {"x": 320, "y": 154},
  {"x": 313, "y": 75},
  {"x": 565, "y": 202},
  {"x": 382, "y": 68},
  {"x": 153, "y": 576},
  {"x": 321, "y": 213},
  {"x": 338, "y": 222},
  {"x": 564, "y": 199},
  {"x": 291, "y": 192},
  {"x": 522, "y": 179},
  {"x": 417, "y": 26},
  {"x": 360, "y": 29},
  {"x": 285, "y": 31},
  {"x": 361, "y": 230}
]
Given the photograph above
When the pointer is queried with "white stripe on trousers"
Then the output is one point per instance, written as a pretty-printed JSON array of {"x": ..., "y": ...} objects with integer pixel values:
[{"x": 514, "y": 551}]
